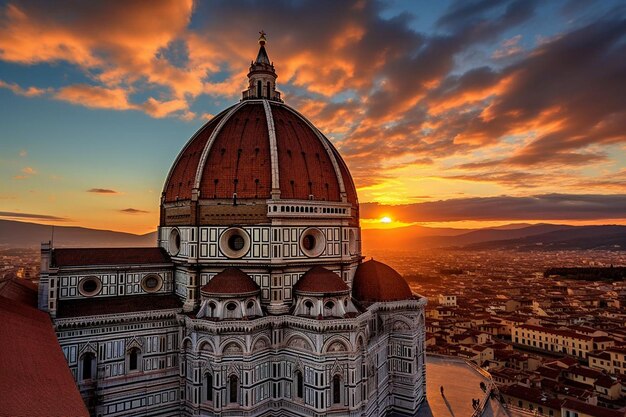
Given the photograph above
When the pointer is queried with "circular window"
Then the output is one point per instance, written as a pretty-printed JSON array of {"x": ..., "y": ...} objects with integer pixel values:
[
  {"x": 312, "y": 242},
  {"x": 329, "y": 305},
  {"x": 174, "y": 242},
  {"x": 308, "y": 242},
  {"x": 250, "y": 305},
  {"x": 308, "y": 304},
  {"x": 90, "y": 286},
  {"x": 231, "y": 306},
  {"x": 234, "y": 242},
  {"x": 151, "y": 283}
]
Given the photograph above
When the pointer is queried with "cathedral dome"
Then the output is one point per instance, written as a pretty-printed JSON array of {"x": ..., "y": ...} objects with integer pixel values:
[
  {"x": 230, "y": 282},
  {"x": 259, "y": 149},
  {"x": 374, "y": 281}
]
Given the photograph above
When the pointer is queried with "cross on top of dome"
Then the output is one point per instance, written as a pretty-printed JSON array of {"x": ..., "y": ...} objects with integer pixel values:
[{"x": 262, "y": 76}]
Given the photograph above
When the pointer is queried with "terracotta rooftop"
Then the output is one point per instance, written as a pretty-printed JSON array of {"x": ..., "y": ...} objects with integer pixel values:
[
  {"x": 109, "y": 256},
  {"x": 231, "y": 281},
  {"x": 115, "y": 305},
  {"x": 34, "y": 377},
  {"x": 19, "y": 290},
  {"x": 374, "y": 281},
  {"x": 533, "y": 395},
  {"x": 319, "y": 280},
  {"x": 591, "y": 410},
  {"x": 238, "y": 158}
]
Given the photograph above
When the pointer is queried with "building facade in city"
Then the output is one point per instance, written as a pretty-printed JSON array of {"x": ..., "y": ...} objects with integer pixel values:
[{"x": 256, "y": 300}]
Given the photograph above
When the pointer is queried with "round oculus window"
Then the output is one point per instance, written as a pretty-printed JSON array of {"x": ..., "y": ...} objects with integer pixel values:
[
  {"x": 234, "y": 242},
  {"x": 231, "y": 306},
  {"x": 151, "y": 283},
  {"x": 90, "y": 286},
  {"x": 308, "y": 242},
  {"x": 174, "y": 242},
  {"x": 312, "y": 242}
]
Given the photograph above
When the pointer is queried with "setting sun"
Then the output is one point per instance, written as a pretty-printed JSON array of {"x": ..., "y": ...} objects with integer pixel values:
[{"x": 386, "y": 220}]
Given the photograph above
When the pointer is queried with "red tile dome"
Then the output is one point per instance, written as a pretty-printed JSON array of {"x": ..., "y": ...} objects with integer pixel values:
[
  {"x": 230, "y": 282},
  {"x": 319, "y": 280},
  {"x": 374, "y": 281},
  {"x": 259, "y": 149}
]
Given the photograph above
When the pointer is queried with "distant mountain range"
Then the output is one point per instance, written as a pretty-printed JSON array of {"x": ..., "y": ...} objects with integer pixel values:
[{"x": 14, "y": 234}]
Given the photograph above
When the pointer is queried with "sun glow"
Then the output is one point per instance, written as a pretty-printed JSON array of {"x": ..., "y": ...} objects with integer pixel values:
[{"x": 386, "y": 220}]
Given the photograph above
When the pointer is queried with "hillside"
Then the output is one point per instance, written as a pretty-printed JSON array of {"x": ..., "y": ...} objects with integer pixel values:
[
  {"x": 607, "y": 237},
  {"x": 16, "y": 234},
  {"x": 418, "y": 237}
]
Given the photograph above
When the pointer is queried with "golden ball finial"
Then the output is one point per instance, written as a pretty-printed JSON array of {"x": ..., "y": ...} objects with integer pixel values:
[{"x": 262, "y": 38}]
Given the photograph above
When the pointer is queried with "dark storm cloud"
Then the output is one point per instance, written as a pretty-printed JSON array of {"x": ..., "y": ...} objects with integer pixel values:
[
  {"x": 30, "y": 216},
  {"x": 537, "y": 207}
]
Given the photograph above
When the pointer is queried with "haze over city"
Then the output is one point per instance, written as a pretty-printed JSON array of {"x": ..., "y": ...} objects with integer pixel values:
[{"x": 455, "y": 114}]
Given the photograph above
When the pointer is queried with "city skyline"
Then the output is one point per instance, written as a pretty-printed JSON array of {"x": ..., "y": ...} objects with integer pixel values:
[{"x": 456, "y": 114}]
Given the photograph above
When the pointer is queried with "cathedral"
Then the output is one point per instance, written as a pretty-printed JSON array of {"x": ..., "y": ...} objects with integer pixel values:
[{"x": 256, "y": 300}]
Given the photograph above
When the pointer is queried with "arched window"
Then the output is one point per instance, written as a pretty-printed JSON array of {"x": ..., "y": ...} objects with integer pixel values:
[
  {"x": 133, "y": 359},
  {"x": 269, "y": 89},
  {"x": 231, "y": 310},
  {"x": 88, "y": 363},
  {"x": 212, "y": 308},
  {"x": 336, "y": 390},
  {"x": 328, "y": 307},
  {"x": 250, "y": 308},
  {"x": 259, "y": 89},
  {"x": 299, "y": 384},
  {"x": 209, "y": 386},
  {"x": 309, "y": 307},
  {"x": 234, "y": 388}
]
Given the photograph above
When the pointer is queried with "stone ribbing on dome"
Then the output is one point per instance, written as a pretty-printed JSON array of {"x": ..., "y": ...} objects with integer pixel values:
[
  {"x": 238, "y": 160},
  {"x": 319, "y": 280},
  {"x": 230, "y": 282},
  {"x": 374, "y": 281},
  {"x": 182, "y": 174},
  {"x": 271, "y": 131}
]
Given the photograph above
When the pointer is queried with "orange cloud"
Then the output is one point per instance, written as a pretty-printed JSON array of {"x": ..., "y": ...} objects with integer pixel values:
[
  {"x": 95, "y": 97},
  {"x": 27, "y": 92}
]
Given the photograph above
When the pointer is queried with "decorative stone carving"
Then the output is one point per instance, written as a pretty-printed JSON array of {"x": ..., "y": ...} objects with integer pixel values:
[
  {"x": 337, "y": 347},
  {"x": 232, "y": 349},
  {"x": 299, "y": 343},
  {"x": 260, "y": 345}
]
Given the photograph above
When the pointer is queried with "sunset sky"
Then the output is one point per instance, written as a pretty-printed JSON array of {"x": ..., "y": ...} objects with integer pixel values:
[{"x": 456, "y": 114}]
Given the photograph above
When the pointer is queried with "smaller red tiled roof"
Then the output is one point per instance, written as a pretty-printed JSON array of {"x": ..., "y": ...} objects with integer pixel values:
[
  {"x": 34, "y": 377},
  {"x": 116, "y": 305},
  {"x": 109, "y": 256},
  {"x": 591, "y": 410},
  {"x": 230, "y": 282},
  {"x": 19, "y": 290},
  {"x": 374, "y": 281},
  {"x": 319, "y": 280}
]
